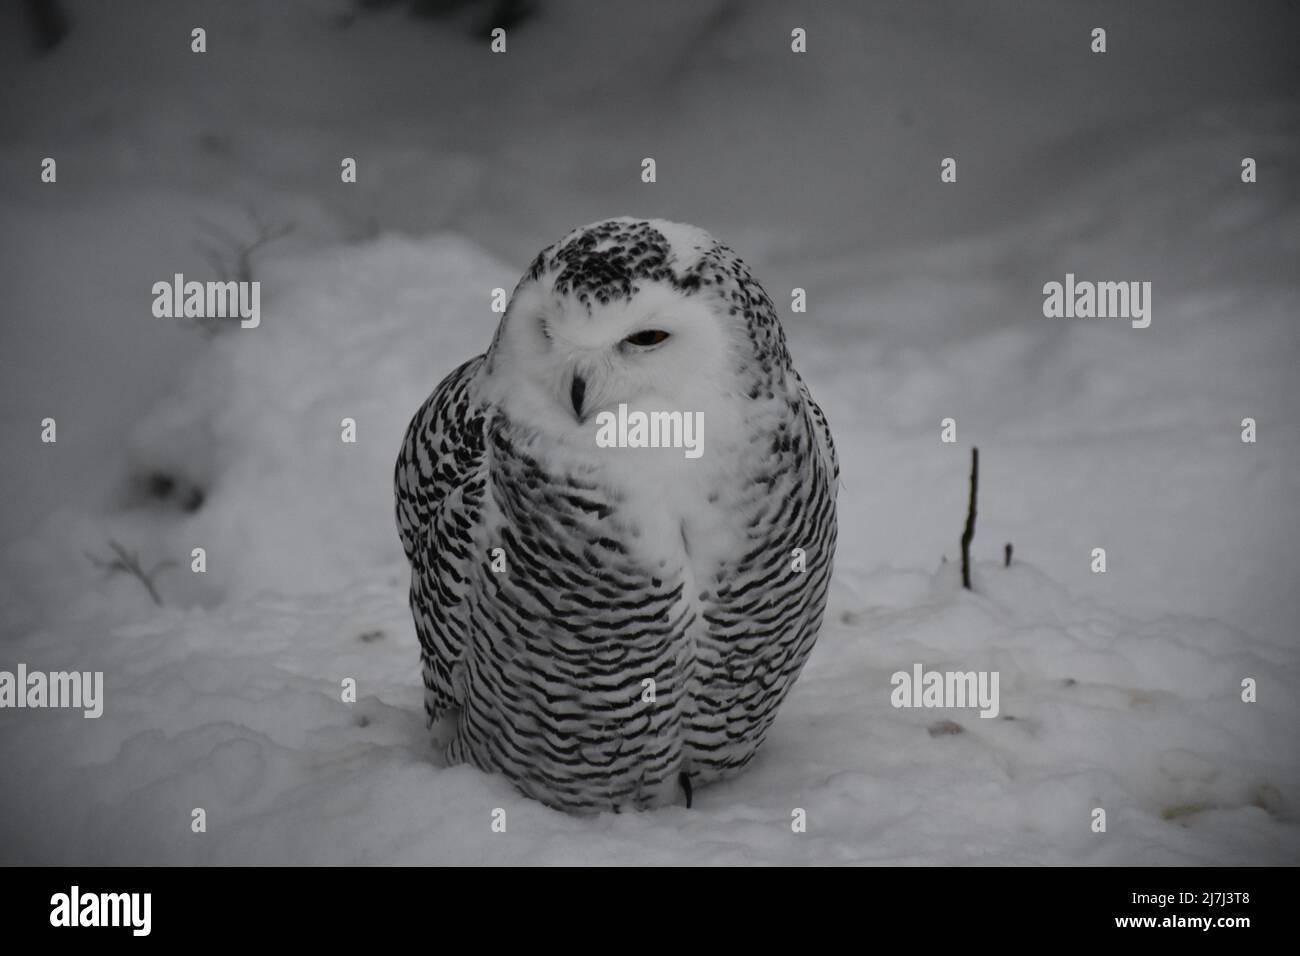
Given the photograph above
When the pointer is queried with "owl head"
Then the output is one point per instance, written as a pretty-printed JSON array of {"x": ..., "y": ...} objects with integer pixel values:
[{"x": 654, "y": 314}]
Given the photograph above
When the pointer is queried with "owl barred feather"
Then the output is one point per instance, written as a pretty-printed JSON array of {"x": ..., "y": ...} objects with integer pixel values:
[{"x": 642, "y": 620}]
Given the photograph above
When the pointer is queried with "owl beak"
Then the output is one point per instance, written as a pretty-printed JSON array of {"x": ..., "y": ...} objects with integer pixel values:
[{"x": 577, "y": 392}]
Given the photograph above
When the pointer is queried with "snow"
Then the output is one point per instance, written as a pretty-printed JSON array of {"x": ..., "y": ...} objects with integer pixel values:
[{"x": 1119, "y": 690}]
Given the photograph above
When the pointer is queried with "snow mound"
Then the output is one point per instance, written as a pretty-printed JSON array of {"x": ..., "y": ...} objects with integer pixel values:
[{"x": 253, "y": 433}]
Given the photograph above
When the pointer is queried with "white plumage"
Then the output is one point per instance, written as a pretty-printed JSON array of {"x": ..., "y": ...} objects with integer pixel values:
[{"x": 610, "y": 627}]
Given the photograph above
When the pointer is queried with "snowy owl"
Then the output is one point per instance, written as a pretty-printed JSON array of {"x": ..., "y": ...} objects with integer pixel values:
[{"x": 620, "y": 522}]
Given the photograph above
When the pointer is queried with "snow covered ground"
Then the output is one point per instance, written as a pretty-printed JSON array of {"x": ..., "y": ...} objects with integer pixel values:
[{"x": 1119, "y": 690}]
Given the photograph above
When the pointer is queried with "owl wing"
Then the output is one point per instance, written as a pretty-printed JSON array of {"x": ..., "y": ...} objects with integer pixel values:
[
  {"x": 439, "y": 482},
  {"x": 763, "y": 618},
  {"x": 823, "y": 431}
]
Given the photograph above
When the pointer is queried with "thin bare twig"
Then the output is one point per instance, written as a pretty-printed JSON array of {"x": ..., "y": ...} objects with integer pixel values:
[
  {"x": 969, "y": 534},
  {"x": 128, "y": 562},
  {"x": 231, "y": 257}
]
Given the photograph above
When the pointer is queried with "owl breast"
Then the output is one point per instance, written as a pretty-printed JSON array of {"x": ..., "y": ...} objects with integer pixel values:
[{"x": 647, "y": 622}]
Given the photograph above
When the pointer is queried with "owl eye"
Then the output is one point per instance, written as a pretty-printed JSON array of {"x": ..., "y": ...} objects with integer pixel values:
[{"x": 647, "y": 337}]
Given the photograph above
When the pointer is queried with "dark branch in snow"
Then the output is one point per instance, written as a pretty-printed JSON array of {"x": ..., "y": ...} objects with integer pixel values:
[
  {"x": 128, "y": 562},
  {"x": 235, "y": 260},
  {"x": 969, "y": 534},
  {"x": 231, "y": 256}
]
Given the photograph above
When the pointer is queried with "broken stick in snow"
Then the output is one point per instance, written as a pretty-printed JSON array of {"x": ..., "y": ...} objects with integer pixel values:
[{"x": 969, "y": 533}]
